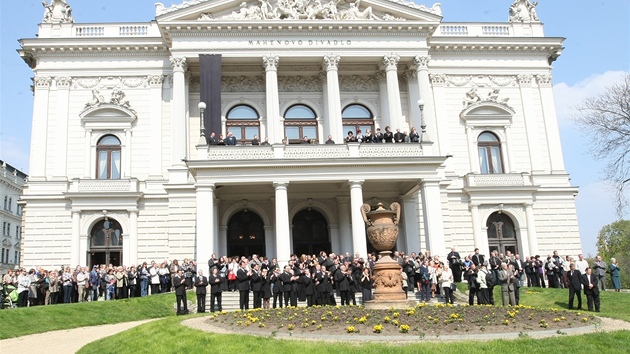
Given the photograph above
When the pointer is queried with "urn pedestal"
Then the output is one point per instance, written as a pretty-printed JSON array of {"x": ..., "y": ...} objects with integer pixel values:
[{"x": 382, "y": 233}]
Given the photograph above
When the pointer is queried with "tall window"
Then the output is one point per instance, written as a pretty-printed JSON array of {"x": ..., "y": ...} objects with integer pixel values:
[
  {"x": 489, "y": 153},
  {"x": 243, "y": 122},
  {"x": 300, "y": 121},
  {"x": 108, "y": 158},
  {"x": 355, "y": 117}
]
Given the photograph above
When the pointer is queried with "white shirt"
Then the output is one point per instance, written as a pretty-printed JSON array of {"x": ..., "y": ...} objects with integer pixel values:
[{"x": 581, "y": 266}]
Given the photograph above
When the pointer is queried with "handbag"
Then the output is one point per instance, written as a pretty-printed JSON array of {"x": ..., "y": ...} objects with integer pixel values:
[
  {"x": 231, "y": 276},
  {"x": 453, "y": 286}
]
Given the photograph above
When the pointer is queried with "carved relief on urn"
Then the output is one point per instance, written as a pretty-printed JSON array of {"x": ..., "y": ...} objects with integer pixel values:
[{"x": 382, "y": 224}]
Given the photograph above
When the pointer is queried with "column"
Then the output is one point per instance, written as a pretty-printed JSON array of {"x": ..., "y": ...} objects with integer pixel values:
[
  {"x": 531, "y": 232},
  {"x": 204, "y": 236},
  {"x": 335, "y": 238},
  {"x": 39, "y": 132},
  {"x": 410, "y": 219},
  {"x": 127, "y": 155},
  {"x": 178, "y": 112},
  {"x": 438, "y": 132},
  {"x": 155, "y": 97},
  {"x": 473, "y": 157},
  {"x": 270, "y": 63},
  {"x": 359, "y": 242},
  {"x": 414, "y": 119},
  {"x": 61, "y": 132},
  {"x": 433, "y": 220},
  {"x": 424, "y": 88},
  {"x": 270, "y": 245},
  {"x": 345, "y": 232},
  {"x": 390, "y": 65},
  {"x": 551, "y": 123},
  {"x": 382, "y": 99},
  {"x": 474, "y": 214},
  {"x": 531, "y": 126},
  {"x": 283, "y": 241},
  {"x": 75, "y": 246},
  {"x": 223, "y": 249},
  {"x": 333, "y": 113},
  {"x": 90, "y": 155},
  {"x": 216, "y": 246},
  {"x": 131, "y": 257}
]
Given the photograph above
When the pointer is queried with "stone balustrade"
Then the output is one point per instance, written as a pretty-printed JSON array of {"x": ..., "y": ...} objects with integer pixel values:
[
  {"x": 489, "y": 30},
  {"x": 496, "y": 180},
  {"x": 116, "y": 30},
  {"x": 104, "y": 185}
]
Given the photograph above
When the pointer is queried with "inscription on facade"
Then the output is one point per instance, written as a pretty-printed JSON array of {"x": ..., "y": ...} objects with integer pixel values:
[{"x": 299, "y": 42}]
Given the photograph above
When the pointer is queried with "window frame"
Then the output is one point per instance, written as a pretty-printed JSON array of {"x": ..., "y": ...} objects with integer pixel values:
[
  {"x": 109, "y": 149},
  {"x": 242, "y": 123},
  {"x": 300, "y": 123},
  {"x": 358, "y": 122},
  {"x": 487, "y": 147}
]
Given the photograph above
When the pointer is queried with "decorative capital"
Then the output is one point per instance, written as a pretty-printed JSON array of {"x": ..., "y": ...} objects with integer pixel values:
[
  {"x": 270, "y": 62},
  {"x": 524, "y": 79},
  {"x": 380, "y": 76},
  {"x": 331, "y": 62},
  {"x": 155, "y": 80},
  {"x": 544, "y": 80},
  {"x": 437, "y": 79},
  {"x": 179, "y": 63},
  {"x": 42, "y": 81},
  {"x": 63, "y": 81},
  {"x": 390, "y": 62},
  {"x": 422, "y": 62}
]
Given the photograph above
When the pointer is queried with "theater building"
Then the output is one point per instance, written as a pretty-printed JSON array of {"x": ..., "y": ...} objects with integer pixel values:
[{"x": 122, "y": 170}]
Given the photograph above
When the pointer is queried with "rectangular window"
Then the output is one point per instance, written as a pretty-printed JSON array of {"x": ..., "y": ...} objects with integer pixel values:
[
  {"x": 115, "y": 165},
  {"x": 2, "y": 255},
  {"x": 10, "y": 206},
  {"x": 17, "y": 231},
  {"x": 250, "y": 132},
  {"x": 4, "y": 228},
  {"x": 102, "y": 165},
  {"x": 483, "y": 160},
  {"x": 495, "y": 151},
  {"x": 17, "y": 257},
  {"x": 8, "y": 229}
]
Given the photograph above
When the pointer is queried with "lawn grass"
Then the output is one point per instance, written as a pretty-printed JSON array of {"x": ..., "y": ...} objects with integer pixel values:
[
  {"x": 169, "y": 336},
  {"x": 39, "y": 319}
]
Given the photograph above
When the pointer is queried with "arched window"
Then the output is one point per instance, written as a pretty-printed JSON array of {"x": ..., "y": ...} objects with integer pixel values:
[
  {"x": 108, "y": 158},
  {"x": 355, "y": 117},
  {"x": 300, "y": 121},
  {"x": 106, "y": 240},
  {"x": 243, "y": 122},
  {"x": 501, "y": 233},
  {"x": 489, "y": 153}
]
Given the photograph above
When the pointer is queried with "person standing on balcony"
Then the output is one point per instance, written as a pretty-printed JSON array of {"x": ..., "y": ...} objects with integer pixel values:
[
  {"x": 230, "y": 140},
  {"x": 388, "y": 137},
  {"x": 399, "y": 137},
  {"x": 330, "y": 140}
]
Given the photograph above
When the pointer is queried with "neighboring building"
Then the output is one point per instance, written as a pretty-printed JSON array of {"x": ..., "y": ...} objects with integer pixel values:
[
  {"x": 119, "y": 150},
  {"x": 11, "y": 188}
]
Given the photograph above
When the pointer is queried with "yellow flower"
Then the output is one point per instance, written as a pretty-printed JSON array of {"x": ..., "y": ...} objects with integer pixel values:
[
  {"x": 378, "y": 328},
  {"x": 291, "y": 327},
  {"x": 350, "y": 329},
  {"x": 404, "y": 328}
]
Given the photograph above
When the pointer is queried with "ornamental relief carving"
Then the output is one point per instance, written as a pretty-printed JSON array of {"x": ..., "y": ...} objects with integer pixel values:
[
  {"x": 299, "y": 84},
  {"x": 117, "y": 97},
  {"x": 110, "y": 82},
  {"x": 267, "y": 7},
  {"x": 472, "y": 97},
  {"x": 63, "y": 81},
  {"x": 242, "y": 84},
  {"x": 478, "y": 80},
  {"x": 42, "y": 81},
  {"x": 358, "y": 83}
]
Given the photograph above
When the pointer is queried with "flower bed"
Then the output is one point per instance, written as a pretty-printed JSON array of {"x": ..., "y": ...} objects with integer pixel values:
[{"x": 421, "y": 320}]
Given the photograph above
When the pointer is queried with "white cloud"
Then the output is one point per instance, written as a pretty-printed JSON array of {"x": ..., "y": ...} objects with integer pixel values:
[{"x": 568, "y": 97}]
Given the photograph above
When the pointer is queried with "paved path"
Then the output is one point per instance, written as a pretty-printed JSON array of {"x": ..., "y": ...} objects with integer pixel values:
[{"x": 64, "y": 341}]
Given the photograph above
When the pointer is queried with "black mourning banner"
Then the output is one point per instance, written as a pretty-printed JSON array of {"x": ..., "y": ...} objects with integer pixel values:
[{"x": 210, "y": 91}]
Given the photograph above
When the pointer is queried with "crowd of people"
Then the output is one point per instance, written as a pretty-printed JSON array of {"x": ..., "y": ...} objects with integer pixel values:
[{"x": 316, "y": 279}]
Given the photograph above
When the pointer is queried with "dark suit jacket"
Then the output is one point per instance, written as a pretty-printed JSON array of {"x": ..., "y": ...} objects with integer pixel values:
[
  {"x": 477, "y": 259},
  {"x": 180, "y": 285},
  {"x": 587, "y": 290},
  {"x": 215, "y": 287},
  {"x": 243, "y": 279},
  {"x": 256, "y": 281},
  {"x": 285, "y": 278},
  {"x": 575, "y": 280},
  {"x": 342, "y": 281},
  {"x": 322, "y": 280},
  {"x": 201, "y": 283}
]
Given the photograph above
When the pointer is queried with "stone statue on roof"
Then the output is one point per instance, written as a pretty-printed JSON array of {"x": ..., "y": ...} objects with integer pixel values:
[
  {"x": 523, "y": 11},
  {"x": 58, "y": 11}
]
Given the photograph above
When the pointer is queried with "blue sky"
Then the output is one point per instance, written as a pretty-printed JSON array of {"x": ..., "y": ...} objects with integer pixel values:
[{"x": 596, "y": 54}]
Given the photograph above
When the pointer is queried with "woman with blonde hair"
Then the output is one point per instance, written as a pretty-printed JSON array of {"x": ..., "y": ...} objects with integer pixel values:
[{"x": 447, "y": 283}]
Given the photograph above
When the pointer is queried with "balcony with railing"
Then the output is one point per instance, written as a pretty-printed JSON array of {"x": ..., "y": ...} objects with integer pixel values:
[
  {"x": 498, "y": 180},
  {"x": 309, "y": 151},
  {"x": 96, "y": 30},
  {"x": 127, "y": 185},
  {"x": 489, "y": 30}
]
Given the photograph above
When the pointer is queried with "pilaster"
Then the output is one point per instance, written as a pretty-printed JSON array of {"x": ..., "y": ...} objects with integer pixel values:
[
  {"x": 390, "y": 65},
  {"x": 272, "y": 116}
]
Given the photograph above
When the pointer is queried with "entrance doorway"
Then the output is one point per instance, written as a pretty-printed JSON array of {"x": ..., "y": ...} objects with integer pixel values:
[
  {"x": 310, "y": 233},
  {"x": 501, "y": 233},
  {"x": 245, "y": 234},
  {"x": 106, "y": 240}
]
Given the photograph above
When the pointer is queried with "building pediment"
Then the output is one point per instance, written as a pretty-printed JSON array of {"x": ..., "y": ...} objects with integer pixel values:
[{"x": 297, "y": 10}]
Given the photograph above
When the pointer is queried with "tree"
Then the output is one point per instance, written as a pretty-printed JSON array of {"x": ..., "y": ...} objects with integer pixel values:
[
  {"x": 614, "y": 241},
  {"x": 607, "y": 117}
]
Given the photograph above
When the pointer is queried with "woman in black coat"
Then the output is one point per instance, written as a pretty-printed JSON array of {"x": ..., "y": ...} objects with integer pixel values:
[{"x": 266, "y": 287}]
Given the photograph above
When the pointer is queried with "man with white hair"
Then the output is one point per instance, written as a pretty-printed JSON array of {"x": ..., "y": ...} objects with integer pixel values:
[{"x": 581, "y": 264}]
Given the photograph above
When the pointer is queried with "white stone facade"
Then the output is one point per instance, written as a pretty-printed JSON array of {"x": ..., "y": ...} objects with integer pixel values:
[
  {"x": 12, "y": 183},
  {"x": 173, "y": 196}
]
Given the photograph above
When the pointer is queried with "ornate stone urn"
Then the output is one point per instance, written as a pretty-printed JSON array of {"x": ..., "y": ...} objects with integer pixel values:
[{"x": 382, "y": 233}]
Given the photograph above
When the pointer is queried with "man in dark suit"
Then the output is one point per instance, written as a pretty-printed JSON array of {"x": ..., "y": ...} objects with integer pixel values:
[
  {"x": 242, "y": 277},
  {"x": 201, "y": 283},
  {"x": 212, "y": 140},
  {"x": 477, "y": 258},
  {"x": 287, "y": 279},
  {"x": 321, "y": 285},
  {"x": 589, "y": 280},
  {"x": 256, "y": 284},
  {"x": 215, "y": 290},
  {"x": 342, "y": 279},
  {"x": 276, "y": 289},
  {"x": 455, "y": 264},
  {"x": 230, "y": 140},
  {"x": 506, "y": 278},
  {"x": 574, "y": 278},
  {"x": 179, "y": 282}
]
